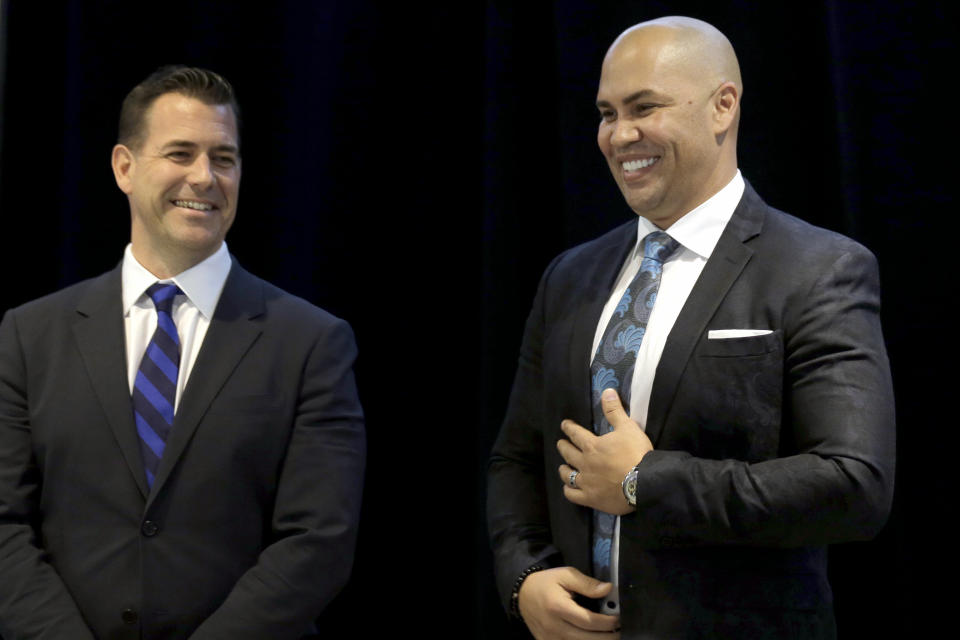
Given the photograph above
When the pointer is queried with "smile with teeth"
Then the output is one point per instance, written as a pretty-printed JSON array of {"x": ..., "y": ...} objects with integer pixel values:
[
  {"x": 636, "y": 165},
  {"x": 193, "y": 204}
]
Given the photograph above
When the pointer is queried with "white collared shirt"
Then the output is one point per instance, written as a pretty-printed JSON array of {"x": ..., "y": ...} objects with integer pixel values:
[
  {"x": 698, "y": 233},
  {"x": 201, "y": 285}
]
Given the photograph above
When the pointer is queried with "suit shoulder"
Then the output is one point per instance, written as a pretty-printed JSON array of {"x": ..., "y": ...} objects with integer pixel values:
[
  {"x": 808, "y": 237},
  {"x": 806, "y": 251},
  {"x": 63, "y": 300},
  {"x": 576, "y": 258},
  {"x": 565, "y": 277},
  {"x": 294, "y": 309}
]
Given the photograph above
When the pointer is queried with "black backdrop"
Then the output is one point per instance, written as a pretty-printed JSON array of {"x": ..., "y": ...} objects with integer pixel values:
[{"x": 413, "y": 167}]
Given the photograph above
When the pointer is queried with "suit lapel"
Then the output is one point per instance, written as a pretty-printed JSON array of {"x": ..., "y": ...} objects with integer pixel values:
[
  {"x": 99, "y": 333},
  {"x": 231, "y": 333},
  {"x": 599, "y": 279},
  {"x": 600, "y": 271},
  {"x": 724, "y": 266}
]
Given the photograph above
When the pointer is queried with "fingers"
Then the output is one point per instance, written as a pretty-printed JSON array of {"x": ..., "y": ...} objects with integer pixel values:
[
  {"x": 573, "y": 494},
  {"x": 570, "y": 453},
  {"x": 580, "y": 437},
  {"x": 576, "y": 496},
  {"x": 549, "y": 610},
  {"x": 564, "y": 630},
  {"x": 565, "y": 471},
  {"x": 613, "y": 409},
  {"x": 591, "y": 621},
  {"x": 576, "y": 581},
  {"x": 602, "y": 461},
  {"x": 579, "y": 440}
]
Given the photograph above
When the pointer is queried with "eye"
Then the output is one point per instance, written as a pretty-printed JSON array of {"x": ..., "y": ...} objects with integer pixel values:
[
  {"x": 644, "y": 108},
  {"x": 179, "y": 156},
  {"x": 608, "y": 115},
  {"x": 225, "y": 161}
]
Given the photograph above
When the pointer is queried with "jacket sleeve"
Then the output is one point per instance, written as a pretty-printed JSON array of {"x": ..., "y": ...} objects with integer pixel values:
[
  {"x": 832, "y": 478},
  {"x": 34, "y": 602},
  {"x": 517, "y": 516},
  {"x": 317, "y": 507}
]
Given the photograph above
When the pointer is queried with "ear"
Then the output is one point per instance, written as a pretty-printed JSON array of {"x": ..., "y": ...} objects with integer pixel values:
[
  {"x": 123, "y": 161},
  {"x": 726, "y": 107}
]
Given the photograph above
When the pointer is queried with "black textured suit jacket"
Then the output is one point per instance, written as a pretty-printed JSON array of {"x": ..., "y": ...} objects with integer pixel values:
[
  {"x": 767, "y": 447},
  {"x": 250, "y": 527}
]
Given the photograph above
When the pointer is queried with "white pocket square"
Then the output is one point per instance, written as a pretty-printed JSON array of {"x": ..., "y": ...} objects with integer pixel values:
[{"x": 723, "y": 334}]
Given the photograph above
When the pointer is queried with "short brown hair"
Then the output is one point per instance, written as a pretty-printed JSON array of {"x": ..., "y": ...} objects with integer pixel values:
[{"x": 204, "y": 85}]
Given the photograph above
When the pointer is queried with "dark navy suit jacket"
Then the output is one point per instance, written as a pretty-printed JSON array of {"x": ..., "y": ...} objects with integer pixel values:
[
  {"x": 250, "y": 527},
  {"x": 767, "y": 448}
]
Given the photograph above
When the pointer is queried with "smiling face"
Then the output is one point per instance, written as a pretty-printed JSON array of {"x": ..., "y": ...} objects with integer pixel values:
[
  {"x": 664, "y": 123},
  {"x": 182, "y": 182}
]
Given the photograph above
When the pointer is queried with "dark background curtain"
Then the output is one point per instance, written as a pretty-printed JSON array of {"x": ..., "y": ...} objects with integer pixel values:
[{"x": 414, "y": 167}]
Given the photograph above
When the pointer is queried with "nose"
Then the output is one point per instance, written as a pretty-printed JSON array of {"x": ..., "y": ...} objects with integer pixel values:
[
  {"x": 201, "y": 176},
  {"x": 625, "y": 132}
]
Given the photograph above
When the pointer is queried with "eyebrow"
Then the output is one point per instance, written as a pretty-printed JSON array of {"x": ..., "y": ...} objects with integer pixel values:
[
  {"x": 633, "y": 97},
  {"x": 193, "y": 145}
]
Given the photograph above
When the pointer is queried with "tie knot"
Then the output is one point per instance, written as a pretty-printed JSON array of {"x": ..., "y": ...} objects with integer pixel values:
[
  {"x": 659, "y": 246},
  {"x": 162, "y": 295}
]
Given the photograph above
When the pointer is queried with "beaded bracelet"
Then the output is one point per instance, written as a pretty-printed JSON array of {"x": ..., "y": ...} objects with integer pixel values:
[{"x": 515, "y": 595}]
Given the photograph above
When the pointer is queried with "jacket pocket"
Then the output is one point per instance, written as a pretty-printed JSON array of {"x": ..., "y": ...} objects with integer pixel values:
[{"x": 741, "y": 347}]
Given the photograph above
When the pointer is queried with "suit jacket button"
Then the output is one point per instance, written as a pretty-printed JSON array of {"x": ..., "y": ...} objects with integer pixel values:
[
  {"x": 129, "y": 616},
  {"x": 149, "y": 528}
]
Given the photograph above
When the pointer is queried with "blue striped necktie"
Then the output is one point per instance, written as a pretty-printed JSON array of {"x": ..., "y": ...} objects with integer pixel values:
[
  {"x": 613, "y": 364},
  {"x": 155, "y": 387}
]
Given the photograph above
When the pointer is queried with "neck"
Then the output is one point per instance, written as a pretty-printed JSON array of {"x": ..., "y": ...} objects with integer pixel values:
[
  {"x": 167, "y": 264},
  {"x": 719, "y": 179}
]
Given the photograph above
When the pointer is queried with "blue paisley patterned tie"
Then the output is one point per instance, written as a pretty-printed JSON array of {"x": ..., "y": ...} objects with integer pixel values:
[{"x": 614, "y": 361}]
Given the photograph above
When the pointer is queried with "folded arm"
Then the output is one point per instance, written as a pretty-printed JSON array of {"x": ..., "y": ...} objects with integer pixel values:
[
  {"x": 833, "y": 481},
  {"x": 832, "y": 478}
]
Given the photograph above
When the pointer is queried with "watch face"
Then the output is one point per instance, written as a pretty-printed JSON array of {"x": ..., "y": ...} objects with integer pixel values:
[{"x": 630, "y": 488}]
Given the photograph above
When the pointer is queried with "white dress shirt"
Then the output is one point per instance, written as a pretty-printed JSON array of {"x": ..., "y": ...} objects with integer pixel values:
[
  {"x": 698, "y": 233},
  {"x": 201, "y": 285}
]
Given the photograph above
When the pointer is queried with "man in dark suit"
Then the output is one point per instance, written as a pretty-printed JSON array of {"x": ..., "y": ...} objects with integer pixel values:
[
  {"x": 746, "y": 345},
  {"x": 182, "y": 459}
]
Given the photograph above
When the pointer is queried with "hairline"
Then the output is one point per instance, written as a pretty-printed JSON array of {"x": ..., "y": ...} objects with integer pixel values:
[{"x": 136, "y": 142}]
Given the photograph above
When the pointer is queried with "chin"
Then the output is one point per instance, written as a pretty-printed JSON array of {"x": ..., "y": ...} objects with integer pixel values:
[
  {"x": 198, "y": 242},
  {"x": 646, "y": 207},
  {"x": 645, "y": 195}
]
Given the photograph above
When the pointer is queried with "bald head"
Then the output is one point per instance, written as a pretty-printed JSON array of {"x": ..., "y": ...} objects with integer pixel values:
[
  {"x": 669, "y": 98},
  {"x": 685, "y": 45}
]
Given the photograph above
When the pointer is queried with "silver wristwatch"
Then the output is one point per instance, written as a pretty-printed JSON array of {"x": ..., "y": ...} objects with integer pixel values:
[{"x": 630, "y": 487}]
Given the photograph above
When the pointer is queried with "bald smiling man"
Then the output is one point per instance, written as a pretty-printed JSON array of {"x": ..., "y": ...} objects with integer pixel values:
[{"x": 703, "y": 400}]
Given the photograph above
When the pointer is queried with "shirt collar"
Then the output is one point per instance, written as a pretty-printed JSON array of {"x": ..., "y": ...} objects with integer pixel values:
[
  {"x": 202, "y": 283},
  {"x": 700, "y": 229}
]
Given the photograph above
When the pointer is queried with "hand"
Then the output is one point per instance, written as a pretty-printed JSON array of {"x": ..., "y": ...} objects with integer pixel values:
[
  {"x": 602, "y": 461},
  {"x": 547, "y": 606}
]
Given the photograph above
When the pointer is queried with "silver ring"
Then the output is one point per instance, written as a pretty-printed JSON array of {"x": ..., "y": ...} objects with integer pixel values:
[{"x": 573, "y": 479}]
